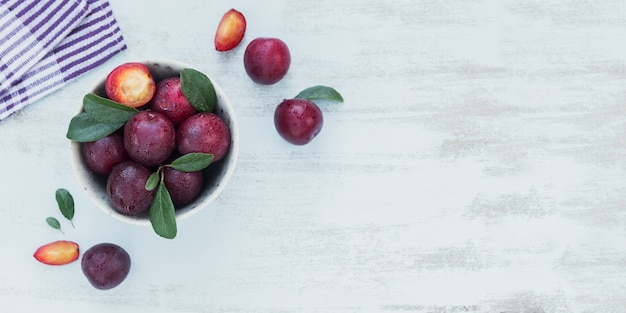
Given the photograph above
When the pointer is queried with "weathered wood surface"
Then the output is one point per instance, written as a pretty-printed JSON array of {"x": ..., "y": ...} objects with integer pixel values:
[{"x": 477, "y": 165}]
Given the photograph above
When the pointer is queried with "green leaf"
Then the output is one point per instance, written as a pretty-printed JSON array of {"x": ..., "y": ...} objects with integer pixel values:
[
  {"x": 198, "y": 89},
  {"x": 192, "y": 162},
  {"x": 66, "y": 203},
  {"x": 153, "y": 181},
  {"x": 101, "y": 118},
  {"x": 162, "y": 215},
  {"x": 54, "y": 223},
  {"x": 107, "y": 111},
  {"x": 85, "y": 129},
  {"x": 320, "y": 92}
]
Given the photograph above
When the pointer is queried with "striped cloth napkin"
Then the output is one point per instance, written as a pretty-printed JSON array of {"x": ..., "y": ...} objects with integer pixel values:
[{"x": 45, "y": 44}]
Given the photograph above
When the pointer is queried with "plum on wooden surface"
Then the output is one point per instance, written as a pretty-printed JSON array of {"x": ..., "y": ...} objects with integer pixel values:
[
  {"x": 230, "y": 31},
  {"x": 59, "y": 252},
  {"x": 106, "y": 265},
  {"x": 298, "y": 121},
  {"x": 266, "y": 60}
]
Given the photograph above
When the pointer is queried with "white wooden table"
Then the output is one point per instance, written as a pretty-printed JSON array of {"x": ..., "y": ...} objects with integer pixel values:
[{"x": 476, "y": 165}]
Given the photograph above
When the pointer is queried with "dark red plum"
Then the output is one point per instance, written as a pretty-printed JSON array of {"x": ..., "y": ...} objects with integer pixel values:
[
  {"x": 183, "y": 187},
  {"x": 106, "y": 265},
  {"x": 170, "y": 101},
  {"x": 298, "y": 121},
  {"x": 149, "y": 137},
  {"x": 266, "y": 60},
  {"x": 126, "y": 188},
  {"x": 206, "y": 133},
  {"x": 102, "y": 155}
]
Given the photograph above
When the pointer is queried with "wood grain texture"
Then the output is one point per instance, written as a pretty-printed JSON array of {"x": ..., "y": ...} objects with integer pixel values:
[{"x": 477, "y": 165}]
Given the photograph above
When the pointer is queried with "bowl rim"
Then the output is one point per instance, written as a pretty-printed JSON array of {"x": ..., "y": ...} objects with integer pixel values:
[{"x": 88, "y": 179}]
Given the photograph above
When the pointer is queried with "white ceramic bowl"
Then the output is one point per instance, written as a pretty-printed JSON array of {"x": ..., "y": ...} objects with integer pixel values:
[{"x": 216, "y": 176}]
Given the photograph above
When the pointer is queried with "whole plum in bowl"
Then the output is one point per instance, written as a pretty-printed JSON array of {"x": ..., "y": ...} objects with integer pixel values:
[{"x": 154, "y": 142}]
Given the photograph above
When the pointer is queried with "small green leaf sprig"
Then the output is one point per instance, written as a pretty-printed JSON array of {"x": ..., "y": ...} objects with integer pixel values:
[
  {"x": 102, "y": 117},
  {"x": 162, "y": 211},
  {"x": 65, "y": 202}
]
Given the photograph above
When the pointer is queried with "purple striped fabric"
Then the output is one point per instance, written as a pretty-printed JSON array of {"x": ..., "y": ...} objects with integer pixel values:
[{"x": 44, "y": 44}]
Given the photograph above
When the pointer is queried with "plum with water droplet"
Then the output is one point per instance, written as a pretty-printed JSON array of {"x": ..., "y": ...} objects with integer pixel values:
[
  {"x": 149, "y": 137},
  {"x": 126, "y": 188},
  {"x": 102, "y": 155},
  {"x": 170, "y": 101},
  {"x": 298, "y": 120},
  {"x": 205, "y": 133},
  {"x": 183, "y": 187},
  {"x": 266, "y": 60}
]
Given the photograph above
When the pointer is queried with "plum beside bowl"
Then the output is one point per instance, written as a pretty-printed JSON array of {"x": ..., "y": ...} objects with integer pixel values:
[{"x": 216, "y": 176}]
